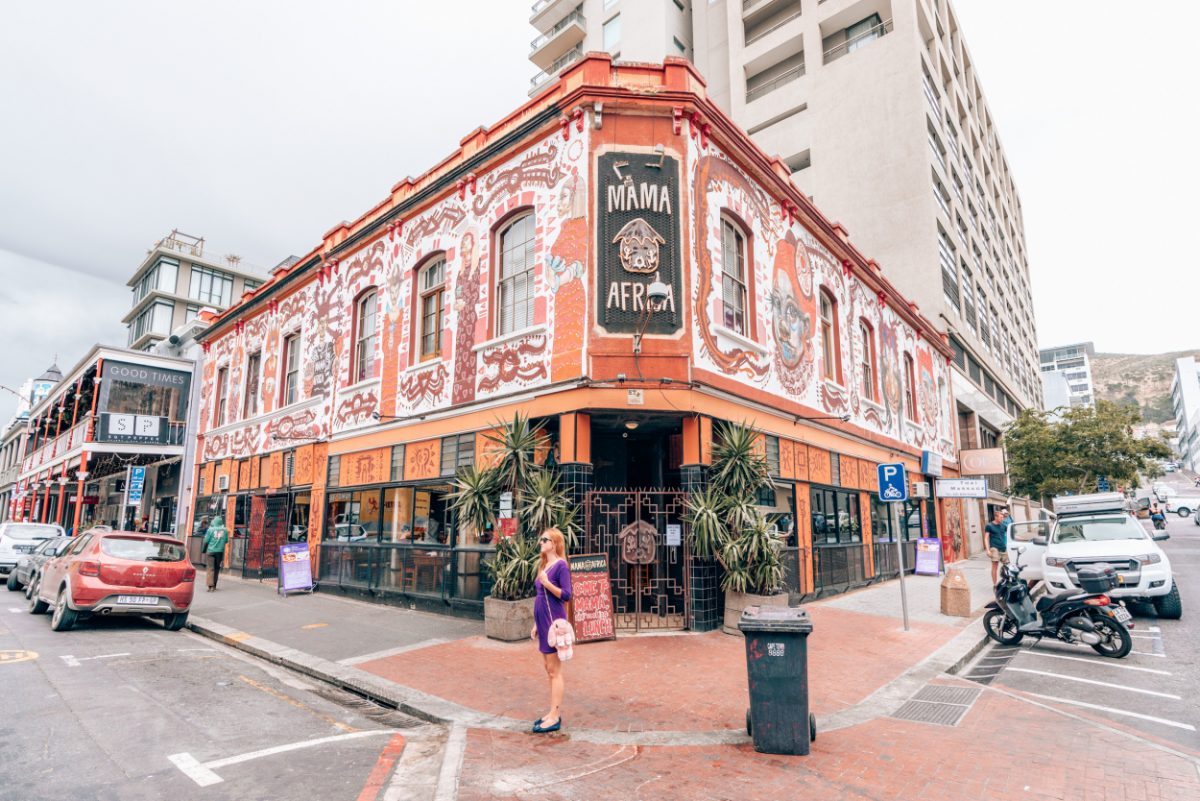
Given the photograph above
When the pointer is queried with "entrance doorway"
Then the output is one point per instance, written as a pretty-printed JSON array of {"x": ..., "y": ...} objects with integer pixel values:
[{"x": 643, "y": 534}]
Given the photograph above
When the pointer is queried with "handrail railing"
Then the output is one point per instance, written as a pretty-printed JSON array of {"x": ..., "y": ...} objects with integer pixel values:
[
  {"x": 775, "y": 83},
  {"x": 562, "y": 61},
  {"x": 752, "y": 39},
  {"x": 836, "y": 52},
  {"x": 559, "y": 27}
]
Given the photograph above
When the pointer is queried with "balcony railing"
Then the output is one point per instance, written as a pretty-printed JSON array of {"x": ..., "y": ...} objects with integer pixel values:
[
  {"x": 774, "y": 83},
  {"x": 768, "y": 31},
  {"x": 850, "y": 45},
  {"x": 573, "y": 18},
  {"x": 561, "y": 63}
]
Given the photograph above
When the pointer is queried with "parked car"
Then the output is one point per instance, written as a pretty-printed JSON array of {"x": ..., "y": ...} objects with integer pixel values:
[
  {"x": 1183, "y": 505},
  {"x": 1096, "y": 530},
  {"x": 29, "y": 564},
  {"x": 1196, "y": 517},
  {"x": 18, "y": 539},
  {"x": 1163, "y": 491},
  {"x": 116, "y": 573}
]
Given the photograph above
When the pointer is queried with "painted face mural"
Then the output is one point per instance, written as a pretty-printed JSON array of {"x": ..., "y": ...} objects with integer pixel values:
[
  {"x": 791, "y": 316},
  {"x": 891, "y": 369},
  {"x": 929, "y": 388}
]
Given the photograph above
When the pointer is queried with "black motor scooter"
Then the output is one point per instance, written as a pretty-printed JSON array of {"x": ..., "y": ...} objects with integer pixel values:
[{"x": 1088, "y": 617}]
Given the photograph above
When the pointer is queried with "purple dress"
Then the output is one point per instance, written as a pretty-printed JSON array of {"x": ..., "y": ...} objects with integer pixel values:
[{"x": 547, "y": 608}]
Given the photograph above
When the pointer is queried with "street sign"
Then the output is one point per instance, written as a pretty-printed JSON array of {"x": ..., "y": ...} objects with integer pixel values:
[
  {"x": 961, "y": 487},
  {"x": 893, "y": 482},
  {"x": 931, "y": 463},
  {"x": 506, "y": 505},
  {"x": 137, "y": 482}
]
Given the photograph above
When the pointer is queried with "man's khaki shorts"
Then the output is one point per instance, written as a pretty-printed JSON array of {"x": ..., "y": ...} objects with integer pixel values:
[{"x": 997, "y": 555}]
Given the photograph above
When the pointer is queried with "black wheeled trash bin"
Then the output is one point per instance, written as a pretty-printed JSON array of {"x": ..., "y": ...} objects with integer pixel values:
[{"x": 777, "y": 668}]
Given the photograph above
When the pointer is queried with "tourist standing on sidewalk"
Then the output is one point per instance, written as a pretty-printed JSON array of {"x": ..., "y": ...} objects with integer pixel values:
[
  {"x": 215, "y": 540},
  {"x": 997, "y": 532},
  {"x": 553, "y": 591}
]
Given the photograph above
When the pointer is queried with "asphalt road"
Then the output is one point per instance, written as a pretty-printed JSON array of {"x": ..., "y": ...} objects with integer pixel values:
[
  {"x": 124, "y": 710},
  {"x": 1153, "y": 689}
]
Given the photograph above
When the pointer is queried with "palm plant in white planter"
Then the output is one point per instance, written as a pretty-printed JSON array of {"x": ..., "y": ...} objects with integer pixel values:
[{"x": 726, "y": 525}]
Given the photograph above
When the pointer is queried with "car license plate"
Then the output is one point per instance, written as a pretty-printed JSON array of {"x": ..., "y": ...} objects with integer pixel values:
[
  {"x": 1123, "y": 614},
  {"x": 24, "y": 548},
  {"x": 142, "y": 600}
]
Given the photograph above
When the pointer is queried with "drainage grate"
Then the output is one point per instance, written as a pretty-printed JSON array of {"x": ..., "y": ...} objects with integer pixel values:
[
  {"x": 990, "y": 665},
  {"x": 943, "y": 706}
]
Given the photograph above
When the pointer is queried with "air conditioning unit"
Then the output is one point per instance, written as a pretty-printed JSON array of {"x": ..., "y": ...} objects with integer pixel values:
[{"x": 222, "y": 483}]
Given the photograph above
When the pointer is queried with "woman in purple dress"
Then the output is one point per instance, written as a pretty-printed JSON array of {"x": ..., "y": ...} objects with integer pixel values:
[{"x": 553, "y": 591}]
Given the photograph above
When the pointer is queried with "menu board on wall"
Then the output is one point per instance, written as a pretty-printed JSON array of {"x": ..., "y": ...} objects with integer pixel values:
[{"x": 591, "y": 598}]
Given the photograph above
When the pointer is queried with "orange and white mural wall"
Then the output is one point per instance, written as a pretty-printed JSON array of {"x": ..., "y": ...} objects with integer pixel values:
[
  {"x": 779, "y": 346},
  {"x": 344, "y": 377}
]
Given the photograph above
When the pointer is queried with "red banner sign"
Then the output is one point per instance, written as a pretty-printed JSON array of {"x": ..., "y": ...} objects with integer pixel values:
[{"x": 591, "y": 598}]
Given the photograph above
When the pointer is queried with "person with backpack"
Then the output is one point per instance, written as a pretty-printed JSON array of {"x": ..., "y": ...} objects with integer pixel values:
[{"x": 215, "y": 540}]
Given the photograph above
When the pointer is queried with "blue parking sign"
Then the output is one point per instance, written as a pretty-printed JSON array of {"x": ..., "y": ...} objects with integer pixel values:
[{"x": 893, "y": 483}]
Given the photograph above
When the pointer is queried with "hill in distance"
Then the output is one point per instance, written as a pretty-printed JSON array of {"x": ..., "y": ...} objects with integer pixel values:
[{"x": 1137, "y": 379}]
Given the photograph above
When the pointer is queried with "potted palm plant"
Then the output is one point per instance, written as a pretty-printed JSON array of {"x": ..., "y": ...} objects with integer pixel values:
[
  {"x": 726, "y": 526},
  {"x": 538, "y": 502}
]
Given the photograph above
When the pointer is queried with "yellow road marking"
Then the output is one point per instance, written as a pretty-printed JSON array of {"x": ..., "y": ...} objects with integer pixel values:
[
  {"x": 7, "y": 657},
  {"x": 238, "y": 636},
  {"x": 283, "y": 697},
  {"x": 315, "y": 626}
]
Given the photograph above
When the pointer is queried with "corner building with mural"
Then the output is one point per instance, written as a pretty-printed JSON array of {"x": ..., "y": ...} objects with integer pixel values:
[{"x": 619, "y": 262}]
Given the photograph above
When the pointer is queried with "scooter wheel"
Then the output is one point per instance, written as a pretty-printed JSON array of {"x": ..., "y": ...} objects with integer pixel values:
[{"x": 1001, "y": 628}]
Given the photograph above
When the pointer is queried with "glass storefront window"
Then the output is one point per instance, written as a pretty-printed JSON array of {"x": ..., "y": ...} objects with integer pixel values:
[
  {"x": 393, "y": 514},
  {"x": 397, "y": 513},
  {"x": 835, "y": 517},
  {"x": 207, "y": 507},
  {"x": 882, "y": 520},
  {"x": 298, "y": 525}
]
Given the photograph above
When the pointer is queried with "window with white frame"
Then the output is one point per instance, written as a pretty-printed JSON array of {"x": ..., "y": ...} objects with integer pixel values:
[
  {"x": 831, "y": 368},
  {"x": 222, "y": 393},
  {"x": 366, "y": 335},
  {"x": 867, "y": 360},
  {"x": 910, "y": 394},
  {"x": 733, "y": 277},
  {"x": 211, "y": 287},
  {"x": 612, "y": 33},
  {"x": 253, "y": 371},
  {"x": 291, "y": 370},
  {"x": 515, "y": 286},
  {"x": 432, "y": 283}
]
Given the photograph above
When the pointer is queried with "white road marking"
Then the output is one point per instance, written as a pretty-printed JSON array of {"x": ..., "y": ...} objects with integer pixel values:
[
  {"x": 73, "y": 661},
  {"x": 982, "y": 675},
  {"x": 1104, "y": 662},
  {"x": 1147, "y": 653},
  {"x": 1153, "y": 628},
  {"x": 1138, "y": 715},
  {"x": 194, "y": 770},
  {"x": 15, "y": 610},
  {"x": 456, "y": 748},
  {"x": 202, "y": 772},
  {"x": 358, "y": 660},
  {"x": 1145, "y": 636},
  {"x": 1097, "y": 683}
]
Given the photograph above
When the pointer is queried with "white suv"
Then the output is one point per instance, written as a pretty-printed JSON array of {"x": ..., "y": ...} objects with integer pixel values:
[
  {"x": 1093, "y": 530},
  {"x": 19, "y": 539}
]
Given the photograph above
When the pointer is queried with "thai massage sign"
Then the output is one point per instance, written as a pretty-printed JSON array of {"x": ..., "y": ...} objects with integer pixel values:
[{"x": 638, "y": 231}]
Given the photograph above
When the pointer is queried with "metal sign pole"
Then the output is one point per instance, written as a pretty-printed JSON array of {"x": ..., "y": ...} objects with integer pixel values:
[{"x": 895, "y": 505}]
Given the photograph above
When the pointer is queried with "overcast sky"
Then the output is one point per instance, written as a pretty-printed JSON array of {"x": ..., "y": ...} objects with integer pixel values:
[{"x": 261, "y": 125}]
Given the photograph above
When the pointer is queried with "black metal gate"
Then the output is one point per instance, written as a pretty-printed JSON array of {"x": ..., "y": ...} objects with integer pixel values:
[{"x": 643, "y": 533}]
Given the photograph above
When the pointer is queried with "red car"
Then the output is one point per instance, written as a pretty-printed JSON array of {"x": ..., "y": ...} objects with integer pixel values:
[{"x": 116, "y": 573}]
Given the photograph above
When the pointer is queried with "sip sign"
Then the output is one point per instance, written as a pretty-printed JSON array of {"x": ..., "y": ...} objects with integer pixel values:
[{"x": 893, "y": 483}]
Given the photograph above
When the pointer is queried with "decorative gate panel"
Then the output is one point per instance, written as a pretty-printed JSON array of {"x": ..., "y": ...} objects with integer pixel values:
[{"x": 649, "y": 582}]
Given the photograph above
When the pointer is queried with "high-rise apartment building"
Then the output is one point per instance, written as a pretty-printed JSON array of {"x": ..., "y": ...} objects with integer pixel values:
[
  {"x": 177, "y": 279},
  {"x": 877, "y": 108},
  {"x": 1073, "y": 364},
  {"x": 1185, "y": 399}
]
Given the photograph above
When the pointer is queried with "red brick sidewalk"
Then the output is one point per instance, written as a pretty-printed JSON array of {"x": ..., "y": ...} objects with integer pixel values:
[
  {"x": 1003, "y": 749},
  {"x": 666, "y": 683}
]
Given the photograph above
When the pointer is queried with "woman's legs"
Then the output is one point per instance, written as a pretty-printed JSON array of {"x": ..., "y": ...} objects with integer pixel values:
[{"x": 555, "y": 674}]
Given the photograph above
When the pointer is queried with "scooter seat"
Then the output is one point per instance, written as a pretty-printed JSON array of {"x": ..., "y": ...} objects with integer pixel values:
[{"x": 1047, "y": 601}]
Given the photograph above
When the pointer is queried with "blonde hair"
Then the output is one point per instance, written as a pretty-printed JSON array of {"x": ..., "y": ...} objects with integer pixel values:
[{"x": 560, "y": 545}]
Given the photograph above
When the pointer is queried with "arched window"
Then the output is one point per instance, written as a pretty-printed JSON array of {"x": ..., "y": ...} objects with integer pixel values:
[
  {"x": 910, "y": 394},
  {"x": 514, "y": 285},
  {"x": 366, "y": 334},
  {"x": 431, "y": 283},
  {"x": 867, "y": 363},
  {"x": 733, "y": 277},
  {"x": 831, "y": 365}
]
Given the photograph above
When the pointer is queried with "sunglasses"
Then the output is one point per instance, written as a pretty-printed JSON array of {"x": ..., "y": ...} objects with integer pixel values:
[{"x": 543, "y": 539}]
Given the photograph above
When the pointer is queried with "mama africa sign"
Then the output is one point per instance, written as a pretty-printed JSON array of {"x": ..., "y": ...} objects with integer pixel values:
[{"x": 638, "y": 241}]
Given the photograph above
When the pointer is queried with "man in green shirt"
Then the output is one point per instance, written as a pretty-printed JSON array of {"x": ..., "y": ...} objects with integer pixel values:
[
  {"x": 215, "y": 540},
  {"x": 997, "y": 535}
]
